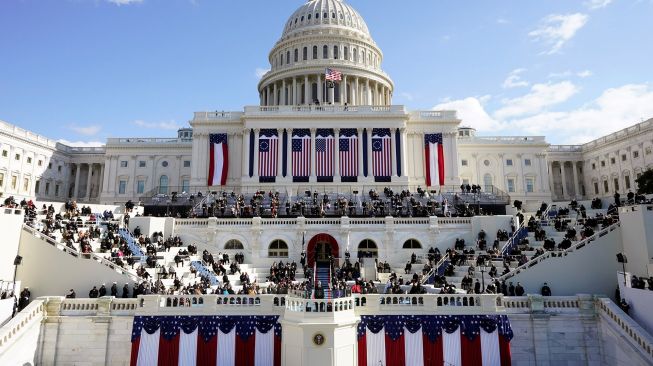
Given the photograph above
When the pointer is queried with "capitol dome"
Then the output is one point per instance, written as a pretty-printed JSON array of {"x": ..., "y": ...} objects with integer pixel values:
[{"x": 325, "y": 35}]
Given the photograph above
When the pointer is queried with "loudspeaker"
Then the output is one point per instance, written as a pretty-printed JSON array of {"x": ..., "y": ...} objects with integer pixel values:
[
  {"x": 18, "y": 260},
  {"x": 621, "y": 258}
]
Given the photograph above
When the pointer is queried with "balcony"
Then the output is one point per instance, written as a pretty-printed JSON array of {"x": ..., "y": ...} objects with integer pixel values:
[
  {"x": 312, "y": 110},
  {"x": 147, "y": 141}
]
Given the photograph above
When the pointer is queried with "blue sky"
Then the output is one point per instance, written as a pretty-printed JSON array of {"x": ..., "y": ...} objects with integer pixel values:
[{"x": 85, "y": 70}]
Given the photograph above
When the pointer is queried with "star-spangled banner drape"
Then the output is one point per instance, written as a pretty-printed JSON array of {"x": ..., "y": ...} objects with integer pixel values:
[
  {"x": 425, "y": 340},
  {"x": 348, "y": 149},
  {"x": 301, "y": 153},
  {"x": 434, "y": 151},
  {"x": 324, "y": 142},
  {"x": 268, "y": 154},
  {"x": 206, "y": 340},
  {"x": 218, "y": 159},
  {"x": 381, "y": 154}
]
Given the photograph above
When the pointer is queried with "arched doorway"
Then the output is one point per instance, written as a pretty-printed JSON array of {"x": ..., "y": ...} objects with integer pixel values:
[
  {"x": 368, "y": 249},
  {"x": 320, "y": 247}
]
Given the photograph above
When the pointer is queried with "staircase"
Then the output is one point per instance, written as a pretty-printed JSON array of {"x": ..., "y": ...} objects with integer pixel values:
[
  {"x": 323, "y": 275},
  {"x": 131, "y": 243},
  {"x": 205, "y": 272}
]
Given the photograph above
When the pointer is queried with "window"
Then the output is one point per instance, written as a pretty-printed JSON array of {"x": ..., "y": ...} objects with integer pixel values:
[
  {"x": 605, "y": 186},
  {"x": 163, "y": 184},
  {"x": 17, "y": 157},
  {"x": 325, "y": 51},
  {"x": 602, "y": 163},
  {"x": 627, "y": 181},
  {"x": 14, "y": 182},
  {"x": 305, "y": 53},
  {"x": 623, "y": 157},
  {"x": 412, "y": 244},
  {"x": 612, "y": 161},
  {"x": 314, "y": 52},
  {"x": 648, "y": 150},
  {"x": 346, "y": 53},
  {"x": 368, "y": 249},
  {"x": 508, "y": 162},
  {"x": 287, "y": 57},
  {"x": 511, "y": 185},
  {"x": 37, "y": 186},
  {"x": 527, "y": 162},
  {"x": 593, "y": 166},
  {"x": 596, "y": 188},
  {"x": 5, "y": 153},
  {"x": 49, "y": 165},
  {"x": 59, "y": 168},
  {"x": 25, "y": 184},
  {"x": 487, "y": 182},
  {"x": 296, "y": 55},
  {"x": 354, "y": 53},
  {"x": 463, "y": 162},
  {"x": 164, "y": 164},
  {"x": 39, "y": 163},
  {"x": 336, "y": 52},
  {"x": 2, "y": 180},
  {"x": 186, "y": 163},
  {"x": 233, "y": 244},
  {"x": 122, "y": 187},
  {"x": 635, "y": 154},
  {"x": 47, "y": 188},
  {"x": 616, "y": 184},
  {"x": 530, "y": 183},
  {"x": 486, "y": 163},
  {"x": 142, "y": 163},
  {"x": 123, "y": 163},
  {"x": 140, "y": 186},
  {"x": 185, "y": 185},
  {"x": 56, "y": 190},
  {"x": 29, "y": 160},
  {"x": 278, "y": 249}
]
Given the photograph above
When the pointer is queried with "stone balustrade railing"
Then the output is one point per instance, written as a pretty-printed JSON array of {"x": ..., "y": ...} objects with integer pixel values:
[
  {"x": 428, "y": 303},
  {"x": 214, "y": 222},
  {"x": 637, "y": 336},
  {"x": 12, "y": 330}
]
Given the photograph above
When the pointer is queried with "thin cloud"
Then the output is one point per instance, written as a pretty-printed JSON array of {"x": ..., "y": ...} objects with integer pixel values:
[
  {"x": 540, "y": 97},
  {"x": 406, "y": 96},
  {"x": 260, "y": 72},
  {"x": 164, "y": 125},
  {"x": 556, "y": 30},
  {"x": 125, "y": 2},
  {"x": 514, "y": 80},
  {"x": 81, "y": 143},
  {"x": 584, "y": 74},
  {"x": 597, "y": 4},
  {"x": 86, "y": 130}
]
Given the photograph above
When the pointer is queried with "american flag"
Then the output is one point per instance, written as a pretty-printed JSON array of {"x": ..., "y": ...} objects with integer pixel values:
[
  {"x": 434, "y": 150},
  {"x": 381, "y": 152},
  {"x": 348, "y": 152},
  {"x": 268, "y": 152},
  {"x": 301, "y": 153},
  {"x": 333, "y": 75},
  {"x": 324, "y": 153}
]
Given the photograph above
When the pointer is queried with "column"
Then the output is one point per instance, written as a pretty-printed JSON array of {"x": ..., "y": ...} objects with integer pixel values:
[
  {"x": 404, "y": 153},
  {"x": 319, "y": 88},
  {"x": 284, "y": 94},
  {"x": 332, "y": 94},
  {"x": 565, "y": 194},
  {"x": 307, "y": 91},
  {"x": 313, "y": 177},
  {"x": 551, "y": 182},
  {"x": 275, "y": 99},
  {"x": 336, "y": 150},
  {"x": 268, "y": 91},
  {"x": 576, "y": 182},
  {"x": 88, "y": 182},
  {"x": 343, "y": 91},
  {"x": 368, "y": 93},
  {"x": 289, "y": 155},
  {"x": 355, "y": 93},
  {"x": 111, "y": 180},
  {"x": 280, "y": 154},
  {"x": 245, "y": 154},
  {"x": 359, "y": 131},
  {"x": 504, "y": 184},
  {"x": 256, "y": 136},
  {"x": 393, "y": 151},
  {"x": 133, "y": 177},
  {"x": 370, "y": 164},
  {"x": 153, "y": 160},
  {"x": 101, "y": 189},
  {"x": 77, "y": 173},
  {"x": 295, "y": 99},
  {"x": 105, "y": 176}
]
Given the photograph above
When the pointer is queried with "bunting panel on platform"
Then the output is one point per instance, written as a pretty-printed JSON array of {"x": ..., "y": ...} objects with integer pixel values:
[
  {"x": 429, "y": 340},
  {"x": 206, "y": 340},
  {"x": 434, "y": 151},
  {"x": 348, "y": 150},
  {"x": 268, "y": 153},
  {"x": 218, "y": 159},
  {"x": 381, "y": 154},
  {"x": 301, "y": 154},
  {"x": 324, "y": 142}
]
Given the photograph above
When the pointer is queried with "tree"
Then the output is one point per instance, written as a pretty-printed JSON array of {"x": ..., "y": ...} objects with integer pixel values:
[{"x": 645, "y": 182}]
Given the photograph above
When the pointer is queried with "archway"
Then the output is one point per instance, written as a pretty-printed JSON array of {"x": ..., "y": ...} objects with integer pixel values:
[{"x": 319, "y": 248}]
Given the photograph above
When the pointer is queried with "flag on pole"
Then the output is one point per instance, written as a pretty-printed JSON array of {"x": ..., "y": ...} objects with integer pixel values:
[
  {"x": 324, "y": 142},
  {"x": 424, "y": 340},
  {"x": 268, "y": 153},
  {"x": 333, "y": 75},
  {"x": 381, "y": 153},
  {"x": 348, "y": 152},
  {"x": 434, "y": 151},
  {"x": 206, "y": 340},
  {"x": 218, "y": 159},
  {"x": 301, "y": 153}
]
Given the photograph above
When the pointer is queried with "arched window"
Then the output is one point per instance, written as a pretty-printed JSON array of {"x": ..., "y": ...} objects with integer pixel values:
[
  {"x": 314, "y": 52},
  {"x": 346, "y": 53},
  {"x": 336, "y": 52},
  {"x": 355, "y": 53},
  {"x": 487, "y": 182},
  {"x": 278, "y": 249},
  {"x": 325, "y": 51},
  {"x": 287, "y": 57},
  {"x": 233, "y": 244},
  {"x": 305, "y": 54},
  {"x": 281, "y": 58},
  {"x": 368, "y": 249},
  {"x": 296, "y": 55},
  {"x": 412, "y": 244},
  {"x": 163, "y": 184}
]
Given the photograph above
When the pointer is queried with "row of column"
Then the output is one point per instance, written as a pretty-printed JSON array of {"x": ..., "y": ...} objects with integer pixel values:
[
  {"x": 336, "y": 158},
  {"x": 299, "y": 91},
  {"x": 565, "y": 179},
  {"x": 89, "y": 176}
]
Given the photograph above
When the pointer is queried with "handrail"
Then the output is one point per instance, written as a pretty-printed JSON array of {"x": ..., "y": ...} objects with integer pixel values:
[
  {"x": 435, "y": 269},
  {"x": 33, "y": 313},
  {"x": 515, "y": 236},
  {"x": 547, "y": 254},
  {"x": 631, "y": 330},
  {"x": 314, "y": 278}
]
